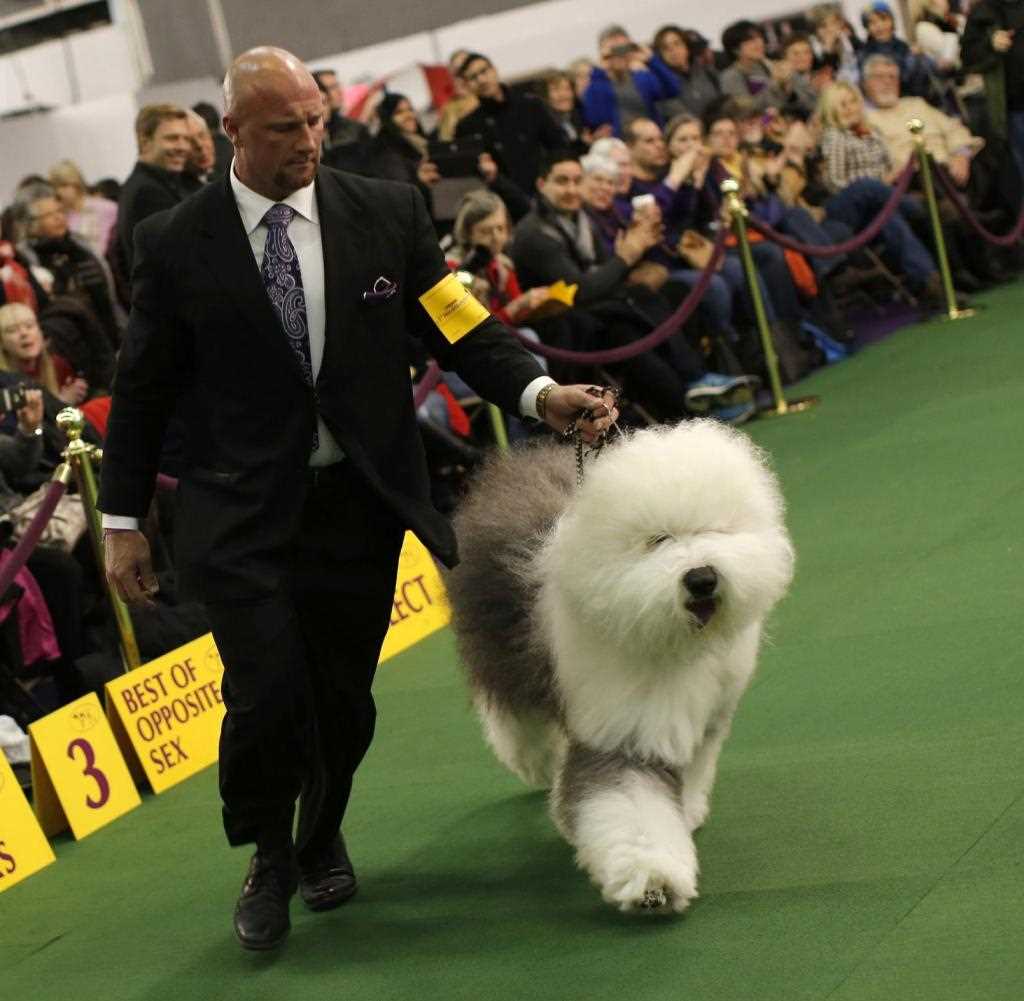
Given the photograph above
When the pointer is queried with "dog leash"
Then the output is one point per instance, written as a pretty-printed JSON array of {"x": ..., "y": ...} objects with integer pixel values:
[{"x": 574, "y": 431}]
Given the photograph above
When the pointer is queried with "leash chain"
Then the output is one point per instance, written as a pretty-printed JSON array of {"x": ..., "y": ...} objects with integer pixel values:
[{"x": 574, "y": 431}]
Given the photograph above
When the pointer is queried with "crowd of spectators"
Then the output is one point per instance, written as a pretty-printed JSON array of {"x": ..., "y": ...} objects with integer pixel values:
[{"x": 586, "y": 204}]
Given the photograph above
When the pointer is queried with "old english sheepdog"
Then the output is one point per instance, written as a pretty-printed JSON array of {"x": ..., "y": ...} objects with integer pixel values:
[{"x": 609, "y": 630}]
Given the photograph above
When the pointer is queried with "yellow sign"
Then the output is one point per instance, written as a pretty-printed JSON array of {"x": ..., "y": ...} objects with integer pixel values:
[
  {"x": 78, "y": 774},
  {"x": 23, "y": 846},
  {"x": 170, "y": 710},
  {"x": 452, "y": 308},
  {"x": 421, "y": 605},
  {"x": 563, "y": 293}
]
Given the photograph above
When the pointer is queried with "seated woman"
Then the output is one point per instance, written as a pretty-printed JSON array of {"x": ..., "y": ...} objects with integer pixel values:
[
  {"x": 91, "y": 218},
  {"x": 662, "y": 263},
  {"x": 698, "y": 83},
  {"x": 857, "y": 169},
  {"x": 399, "y": 150},
  {"x": 23, "y": 350},
  {"x": 758, "y": 174},
  {"x": 58, "y": 575}
]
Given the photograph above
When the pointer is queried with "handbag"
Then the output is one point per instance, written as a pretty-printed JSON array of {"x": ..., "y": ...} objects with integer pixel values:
[
  {"x": 696, "y": 249},
  {"x": 66, "y": 526}
]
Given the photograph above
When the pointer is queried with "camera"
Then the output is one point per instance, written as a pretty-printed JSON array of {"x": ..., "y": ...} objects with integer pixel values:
[
  {"x": 625, "y": 49},
  {"x": 12, "y": 398}
]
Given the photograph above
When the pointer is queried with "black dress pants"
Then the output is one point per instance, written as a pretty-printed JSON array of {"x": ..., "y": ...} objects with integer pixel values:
[{"x": 298, "y": 668}]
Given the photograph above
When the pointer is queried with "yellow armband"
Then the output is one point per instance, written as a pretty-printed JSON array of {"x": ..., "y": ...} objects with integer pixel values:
[{"x": 452, "y": 308}]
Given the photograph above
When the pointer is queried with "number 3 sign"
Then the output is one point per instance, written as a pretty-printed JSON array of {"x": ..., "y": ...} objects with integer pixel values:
[{"x": 78, "y": 774}]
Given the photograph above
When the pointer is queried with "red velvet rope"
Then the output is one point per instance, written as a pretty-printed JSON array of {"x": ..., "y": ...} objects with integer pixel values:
[
  {"x": 27, "y": 543},
  {"x": 855, "y": 242},
  {"x": 430, "y": 379},
  {"x": 964, "y": 209},
  {"x": 660, "y": 333}
]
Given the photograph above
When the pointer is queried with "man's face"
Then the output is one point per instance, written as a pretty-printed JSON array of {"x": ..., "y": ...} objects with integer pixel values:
[
  {"x": 615, "y": 53},
  {"x": 481, "y": 78},
  {"x": 724, "y": 137},
  {"x": 648, "y": 147},
  {"x": 880, "y": 27},
  {"x": 47, "y": 220},
  {"x": 621, "y": 158},
  {"x": 800, "y": 56},
  {"x": 562, "y": 186},
  {"x": 882, "y": 85},
  {"x": 169, "y": 146},
  {"x": 335, "y": 91},
  {"x": 276, "y": 130},
  {"x": 752, "y": 49},
  {"x": 202, "y": 155}
]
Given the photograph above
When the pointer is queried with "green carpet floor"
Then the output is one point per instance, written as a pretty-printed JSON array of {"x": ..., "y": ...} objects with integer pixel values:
[{"x": 867, "y": 835}]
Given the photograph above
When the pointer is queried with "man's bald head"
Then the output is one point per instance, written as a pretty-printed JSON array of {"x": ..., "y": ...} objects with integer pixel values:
[
  {"x": 274, "y": 119},
  {"x": 264, "y": 72}
]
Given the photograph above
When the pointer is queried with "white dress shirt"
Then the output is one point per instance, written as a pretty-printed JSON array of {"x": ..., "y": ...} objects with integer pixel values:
[{"x": 304, "y": 233}]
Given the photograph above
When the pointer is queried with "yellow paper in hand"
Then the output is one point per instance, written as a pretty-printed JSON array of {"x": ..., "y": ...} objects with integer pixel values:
[{"x": 562, "y": 292}]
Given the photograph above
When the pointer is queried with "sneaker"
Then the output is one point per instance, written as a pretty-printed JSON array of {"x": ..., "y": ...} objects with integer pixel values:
[
  {"x": 736, "y": 413},
  {"x": 715, "y": 389}
]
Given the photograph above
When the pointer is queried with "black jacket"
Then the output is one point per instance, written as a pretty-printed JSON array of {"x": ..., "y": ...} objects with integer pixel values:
[
  {"x": 544, "y": 253},
  {"x": 203, "y": 334},
  {"x": 148, "y": 189},
  {"x": 515, "y": 132}
]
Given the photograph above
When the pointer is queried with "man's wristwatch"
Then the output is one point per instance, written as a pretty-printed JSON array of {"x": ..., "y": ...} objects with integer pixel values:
[{"x": 36, "y": 432}]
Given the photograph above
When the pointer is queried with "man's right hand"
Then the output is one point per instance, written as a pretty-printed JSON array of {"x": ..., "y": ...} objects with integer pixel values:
[{"x": 129, "y": 567}]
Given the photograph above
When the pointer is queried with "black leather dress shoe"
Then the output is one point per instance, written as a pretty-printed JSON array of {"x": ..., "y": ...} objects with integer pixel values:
[
  {"x": 261, "y": 914},
  {"x": 326, "y": 878}
]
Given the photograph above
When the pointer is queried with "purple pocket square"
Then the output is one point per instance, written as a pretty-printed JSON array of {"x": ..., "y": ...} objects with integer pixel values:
[{"x": 383, "y": 290}]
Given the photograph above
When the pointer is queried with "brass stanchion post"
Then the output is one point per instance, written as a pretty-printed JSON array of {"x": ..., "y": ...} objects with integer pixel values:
[
  {"x": 79, "y": 457},
  {"x": 738, "y": 214},
  {"x": 953, "y": 312}
]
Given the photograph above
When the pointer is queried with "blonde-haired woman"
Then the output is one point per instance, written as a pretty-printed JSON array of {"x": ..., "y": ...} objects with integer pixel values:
[
  {"x": 23, "y": 350},
  {"x": 858, "y": 170},
  {"x": 93, "y": 220}
]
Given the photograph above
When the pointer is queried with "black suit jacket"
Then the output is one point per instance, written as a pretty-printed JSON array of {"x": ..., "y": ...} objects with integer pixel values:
[
  {"x": 204, "y": 337},
  {"x": 147, "y": 190}
]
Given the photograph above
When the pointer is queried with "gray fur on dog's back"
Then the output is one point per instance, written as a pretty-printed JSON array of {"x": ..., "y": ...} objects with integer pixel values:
[{"x": 514, "y": 501}]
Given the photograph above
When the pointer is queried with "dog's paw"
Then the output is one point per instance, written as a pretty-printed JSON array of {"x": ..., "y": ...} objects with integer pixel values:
[
  {"x": 651, "y": 884},
  {"x": 695, "y": 811}
]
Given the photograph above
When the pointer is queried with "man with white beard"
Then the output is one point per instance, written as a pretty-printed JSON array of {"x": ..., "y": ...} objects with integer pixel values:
[{"x": 947, "y": 139}]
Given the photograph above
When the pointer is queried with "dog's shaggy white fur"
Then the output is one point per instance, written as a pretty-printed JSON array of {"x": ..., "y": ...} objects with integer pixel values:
[{"x": 609, "y": 631}]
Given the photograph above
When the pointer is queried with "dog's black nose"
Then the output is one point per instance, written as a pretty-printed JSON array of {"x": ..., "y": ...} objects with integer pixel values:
[{"x": 701, "y": 581}]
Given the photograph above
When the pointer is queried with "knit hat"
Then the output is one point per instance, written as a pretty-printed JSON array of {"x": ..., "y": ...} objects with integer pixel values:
[{"x": 878, "y": 7}]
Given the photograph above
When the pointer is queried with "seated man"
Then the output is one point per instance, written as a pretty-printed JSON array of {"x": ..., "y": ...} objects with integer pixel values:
[
  {"x": 515, "y": 128},
  {"x": 947, "y": 139},
  {"x": 950, "y": 144},
  {"x": 559, "y": 241}
]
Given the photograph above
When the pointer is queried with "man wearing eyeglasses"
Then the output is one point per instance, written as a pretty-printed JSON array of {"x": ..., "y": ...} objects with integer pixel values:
[{"x": 517, "y": 129}]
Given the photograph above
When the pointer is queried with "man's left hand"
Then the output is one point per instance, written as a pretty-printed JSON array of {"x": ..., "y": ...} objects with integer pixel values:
[{"x": 564, "y": 403}]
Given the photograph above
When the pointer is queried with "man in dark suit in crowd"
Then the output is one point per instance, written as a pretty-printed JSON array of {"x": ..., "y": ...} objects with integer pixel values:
[
  {"x": 274, "y": 307},
  {"x": 157, "y": 180},
  {"x": 516, "y": 128}
]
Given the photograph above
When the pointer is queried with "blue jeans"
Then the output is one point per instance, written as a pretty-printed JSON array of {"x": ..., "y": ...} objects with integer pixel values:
[
  {"x": 722, "y": 291},
  {"x": 799, "y": 223},
  {"x": 859, "y": 203}
]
